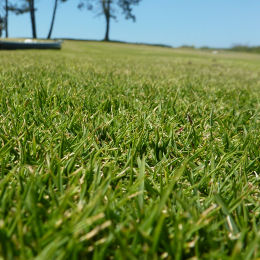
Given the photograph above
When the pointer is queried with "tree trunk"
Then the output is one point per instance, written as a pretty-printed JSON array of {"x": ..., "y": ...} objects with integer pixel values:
[
  {"x": 33, "y": 22},
  {"x": 6, "y": 18},
  {"x": 107, "y": 28},
  {"x": 106, "y": 9},
  {"x": 53, "y": 18}
]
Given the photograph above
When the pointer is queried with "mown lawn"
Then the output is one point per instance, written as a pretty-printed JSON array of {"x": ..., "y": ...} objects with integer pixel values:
[{"x": 113, "y": 151}]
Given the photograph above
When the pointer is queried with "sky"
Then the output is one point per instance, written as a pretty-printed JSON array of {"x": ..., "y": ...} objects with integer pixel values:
[{"x": 214, "y": 23}]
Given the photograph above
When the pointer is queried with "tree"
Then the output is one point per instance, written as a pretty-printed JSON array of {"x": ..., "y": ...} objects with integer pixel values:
[
  {"x": 29, "y": 6},
  {"x": 33, "y": 19},
  {"x": 109, "y": 9},
  {"x": 53, "y": 17},
  {"x": 6, "y": 18},
  {"x": 1, "y": 25},
  {"x": 24, "y": 7}
]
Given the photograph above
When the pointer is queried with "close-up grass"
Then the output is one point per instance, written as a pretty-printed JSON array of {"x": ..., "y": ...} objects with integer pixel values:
[{"x": 117, "y": 151}]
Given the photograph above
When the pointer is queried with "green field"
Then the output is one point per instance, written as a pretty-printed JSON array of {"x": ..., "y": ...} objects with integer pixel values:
[{"x": 116, "y": 151}]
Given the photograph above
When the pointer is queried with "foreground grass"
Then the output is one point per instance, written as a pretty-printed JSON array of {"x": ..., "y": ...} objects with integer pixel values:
[{"x": 117, "y": 151}]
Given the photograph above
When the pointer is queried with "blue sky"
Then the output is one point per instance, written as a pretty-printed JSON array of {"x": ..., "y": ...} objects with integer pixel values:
[{"x": 215, "y": 23}]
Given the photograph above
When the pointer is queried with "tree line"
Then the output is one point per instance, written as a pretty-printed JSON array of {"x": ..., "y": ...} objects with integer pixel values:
[{"x": 107, "y": 8}]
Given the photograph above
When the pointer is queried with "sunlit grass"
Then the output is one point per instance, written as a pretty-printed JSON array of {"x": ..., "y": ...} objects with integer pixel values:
[{"x": 129, "y": 152}]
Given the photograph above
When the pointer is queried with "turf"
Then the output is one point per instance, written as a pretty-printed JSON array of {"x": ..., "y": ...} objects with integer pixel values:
[{"x": 114, "y": 151}]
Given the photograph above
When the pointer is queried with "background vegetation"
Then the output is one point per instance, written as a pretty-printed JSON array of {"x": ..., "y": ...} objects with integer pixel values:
[{"x": 244, "y": 48}]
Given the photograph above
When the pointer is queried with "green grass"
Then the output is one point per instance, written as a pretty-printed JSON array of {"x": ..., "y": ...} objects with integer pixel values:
[{"x": 114, "y": 151}]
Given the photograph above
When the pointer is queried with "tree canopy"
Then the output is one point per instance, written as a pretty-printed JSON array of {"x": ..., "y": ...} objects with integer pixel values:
[{"x": 110, "y": 9}]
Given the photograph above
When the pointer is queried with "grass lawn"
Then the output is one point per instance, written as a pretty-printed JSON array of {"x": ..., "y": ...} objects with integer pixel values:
[{"x": 115, "y": 151}]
